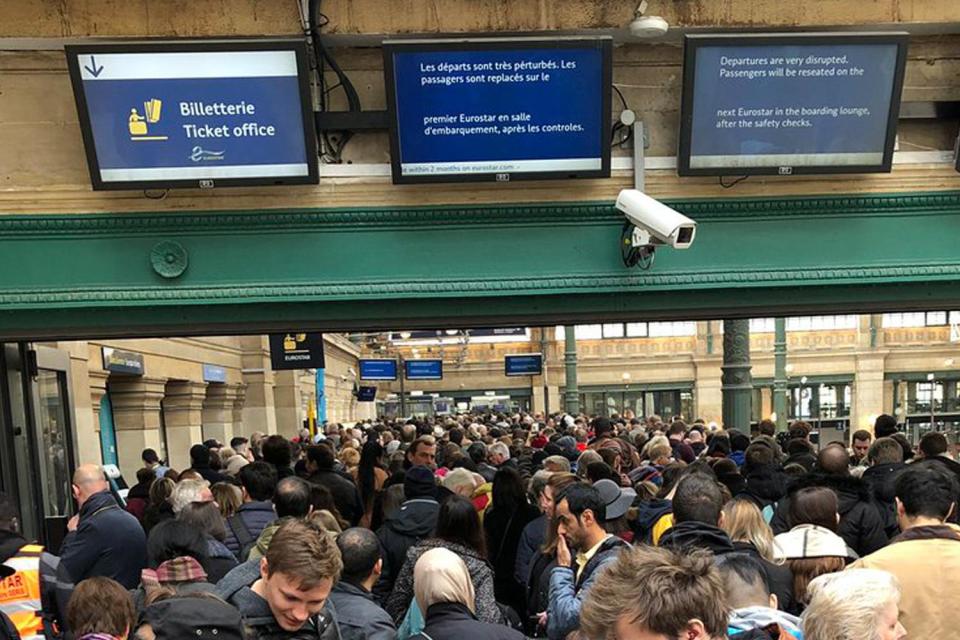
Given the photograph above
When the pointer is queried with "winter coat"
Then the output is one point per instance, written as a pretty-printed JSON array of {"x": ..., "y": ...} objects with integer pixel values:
[
  {"x": 503, "y": 529},
  {"x": 538, "y": 587},
  {"x": 531, "y": 539},
  {"x": 881, "y": 478},
  {"x": 805, "y": 459},
  {"x": 220, "y": 560},
  {"x": 263, "y": 540},
  {"x": 256, "y": 515},
  {"x": 7, "y": 629},
  {"x": 766, "y": 485},
  {"x": 697, "y": 535},
  {"x": 152, "y": 516},
  {"x": 359, "y": 615},
  {"x": 926, "y": 562},
  {"x": 567, "y": 591},
  {"x": 345, "y": 494},
  {"x": 413, "y": 521},
  {"x": 211, "y": 476},
  {"x": 108, "y": 542},
  {"x": 682, "y": 451},
  {"x": 481, "y": 575},
  {"x": 257, "y": 616},
  {"x": 453, "y": 621},
  {"x": 860, "y": 526}
]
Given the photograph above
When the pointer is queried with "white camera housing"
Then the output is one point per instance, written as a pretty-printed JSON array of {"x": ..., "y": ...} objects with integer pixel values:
[{"x": 665, "y": 225}]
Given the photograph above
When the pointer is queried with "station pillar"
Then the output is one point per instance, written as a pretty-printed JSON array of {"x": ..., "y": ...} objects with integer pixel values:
[
  {"x": 136, "y": 417},
  {"x": 183, "y": 419},
  {"x": 780, "y": 390},
  {"x": 737, "y": 385},
  {"x": 571, "y": 396}
]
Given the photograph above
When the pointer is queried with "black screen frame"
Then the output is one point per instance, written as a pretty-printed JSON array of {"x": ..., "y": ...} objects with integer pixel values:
[
  {"x": 193, "y": 45},
  {"x": 604, "y": 43},
  {"x": 693, "y": 42}
]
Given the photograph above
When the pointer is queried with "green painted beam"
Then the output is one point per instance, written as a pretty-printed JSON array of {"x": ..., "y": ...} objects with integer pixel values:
[{"x": 92, "y": 275}]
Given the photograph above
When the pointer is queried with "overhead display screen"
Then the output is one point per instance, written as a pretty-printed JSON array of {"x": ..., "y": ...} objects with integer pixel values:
[
  {"x": 366, "y": 394},
  {"x": 423, "y": 369},
  {"x": 195, "y": 113},
  {"x": 527, "y": 364},
  {"x": 378, "y": 369},
  {"x": 790, "y": 103},
  {"x": 499, "y": 109}
]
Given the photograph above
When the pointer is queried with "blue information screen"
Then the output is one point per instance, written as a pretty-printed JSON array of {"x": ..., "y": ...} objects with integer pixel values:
[
  {"x": 513, "y": 108},
  {"x": 377, "y": 369},
  {"x": 790, "y": 102},
  {"x": 366, "y": 394},
  {"x": 523, "y": 365},
  {"x": 424, "y": 369},
  {"x": 180, "y": 117}
]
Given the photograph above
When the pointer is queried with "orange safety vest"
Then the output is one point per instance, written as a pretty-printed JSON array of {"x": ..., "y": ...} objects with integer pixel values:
[{"x": 20, "y": 593}]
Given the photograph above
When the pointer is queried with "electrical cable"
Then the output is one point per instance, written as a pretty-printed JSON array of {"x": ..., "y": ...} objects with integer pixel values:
[
  {"x": 622, "y": 99},
  {"x": 730, "y": 185},
  {"x": 332, "y": 150}
]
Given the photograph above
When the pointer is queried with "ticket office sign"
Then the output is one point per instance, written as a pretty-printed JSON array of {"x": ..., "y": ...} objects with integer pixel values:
[{"x": 198, "y": 113}]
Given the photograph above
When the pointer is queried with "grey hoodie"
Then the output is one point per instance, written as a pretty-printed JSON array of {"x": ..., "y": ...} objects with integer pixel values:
[
  {"x": 750, "y": 618},
  {"x": 256, "y": 613}
]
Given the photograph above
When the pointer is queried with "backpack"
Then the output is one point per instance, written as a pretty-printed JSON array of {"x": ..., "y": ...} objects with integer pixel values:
[{"x": 243, "y": 535}]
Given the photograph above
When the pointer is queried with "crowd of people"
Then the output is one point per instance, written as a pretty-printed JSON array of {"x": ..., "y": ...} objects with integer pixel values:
[{"x": 506, "y": 526}]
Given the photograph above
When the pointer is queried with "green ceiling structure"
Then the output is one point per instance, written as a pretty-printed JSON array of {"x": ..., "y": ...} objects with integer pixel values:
[{"x": 157, "y": 274}]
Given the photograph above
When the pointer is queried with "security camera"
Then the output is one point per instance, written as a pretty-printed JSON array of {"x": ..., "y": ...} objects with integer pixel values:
[
  {"x": 643, "y": 26},
  {"x": 651, "y": 223}
]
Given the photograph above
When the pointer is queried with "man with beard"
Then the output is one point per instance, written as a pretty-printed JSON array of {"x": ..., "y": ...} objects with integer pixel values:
[{"x": 580, "y": 512}]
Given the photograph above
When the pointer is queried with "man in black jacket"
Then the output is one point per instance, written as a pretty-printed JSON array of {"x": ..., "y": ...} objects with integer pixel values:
[
  {"x": 886, "y": 458},
  {"x": 414, "y": 520},
  {"x": 320, "y": 465},
  {"x": 697, "y": 514},
  {"x": 861, "y": 525},
  {"x": 104, "y": 540}
]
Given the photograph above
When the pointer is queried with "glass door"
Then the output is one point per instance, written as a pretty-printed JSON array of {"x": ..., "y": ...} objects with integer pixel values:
[{"x": 54, "y": 436}]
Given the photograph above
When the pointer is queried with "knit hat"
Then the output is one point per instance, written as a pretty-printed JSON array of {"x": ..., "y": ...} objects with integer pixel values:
[
  {"x": 419, "y": 483},
  {"x": 392, "y": 447}
]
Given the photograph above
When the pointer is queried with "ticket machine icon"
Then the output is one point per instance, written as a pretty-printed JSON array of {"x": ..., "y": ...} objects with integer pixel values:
[{"x": 138, "y": 124}]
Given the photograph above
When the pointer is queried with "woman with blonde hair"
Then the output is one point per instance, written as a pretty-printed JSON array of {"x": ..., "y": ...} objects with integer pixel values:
[
  {"x": 743, "y": 521},
  {"x": 856, "y": 604},
  {"x": 445, "y": 596}
]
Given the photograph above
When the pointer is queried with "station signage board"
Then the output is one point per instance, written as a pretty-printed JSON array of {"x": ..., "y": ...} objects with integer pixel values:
[
  {"x": 195, "y": 113},
  {"x": 214, "y": 373},
  {"x": 296, "y": 351},
  {"x": 117, "y": 361},
  {"x": 525, "y": 364},
  {"x": 423, "y": 369},
  {"x": 378, "y": 369}
]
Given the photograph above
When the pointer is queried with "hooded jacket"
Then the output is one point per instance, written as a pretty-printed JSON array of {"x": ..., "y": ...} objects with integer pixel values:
[
  {"x": 257, "y": 615},
  {"x": 345, "y": 494},
  {"x": 763, "y": 619},
  {"x": 567, "y": 590},
  {"x": 108, "y": 542},
  {"x": 861, "y": 526},
  {"x": 779, "y": 577},
  {"x": 413, "y": 521},
  {"x": 697, "y": 535},
  {"x": 647, "y": 516},
  {"x": 765, "y": 485},
  {"x": 481, "y": 575},
  {"x": 881, "y": 479}
]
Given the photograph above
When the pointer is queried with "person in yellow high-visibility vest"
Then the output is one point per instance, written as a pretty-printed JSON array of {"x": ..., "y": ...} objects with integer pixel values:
[{"x": 19, "y": 575}]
